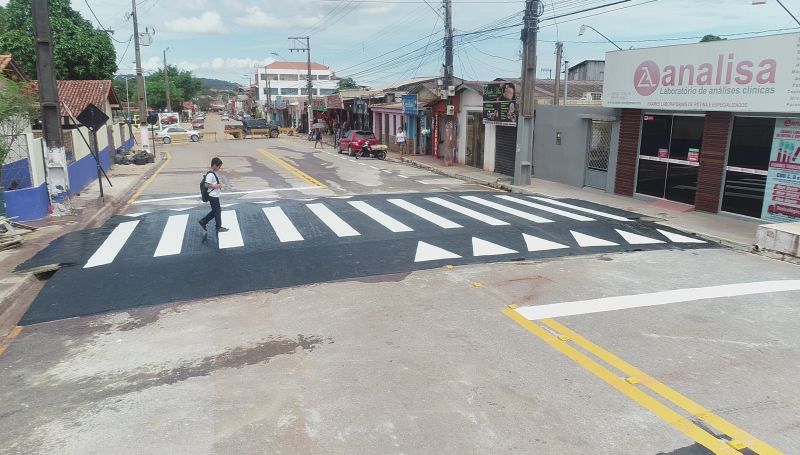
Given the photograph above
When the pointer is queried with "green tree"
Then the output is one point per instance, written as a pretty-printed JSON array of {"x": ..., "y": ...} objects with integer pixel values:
[
  {"x": 708, "y": 38},
  {"x": 183, "y": 87},
  {"x": 18, "y": 108},
  {"x": 346, "y": 83},
  {"x": 80, "y": 51}
]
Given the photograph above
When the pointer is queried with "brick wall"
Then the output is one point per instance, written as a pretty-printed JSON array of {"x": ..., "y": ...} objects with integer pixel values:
[
  {"x": 712, "y": 161},
  {"x": 629, "y": 129}
]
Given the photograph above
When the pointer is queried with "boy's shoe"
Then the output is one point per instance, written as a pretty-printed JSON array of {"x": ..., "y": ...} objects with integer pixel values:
[{"x": 223, "y": 229}]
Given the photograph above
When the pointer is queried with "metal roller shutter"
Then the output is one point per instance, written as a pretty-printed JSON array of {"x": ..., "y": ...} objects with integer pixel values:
[{"x": 505, "y": 149}]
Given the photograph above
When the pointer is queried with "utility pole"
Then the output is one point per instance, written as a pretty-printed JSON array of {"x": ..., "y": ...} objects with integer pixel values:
[
  {"x": 556, "y": 91},
  {"x": 139, "y": 77},
  {"x": 566, "y": 80},
  {"x": 449, "y": 127},
  {"x": 269, "y": 95},
  {"x": 166, "y": 80},
  {"x": 56, "y": 161},
  {"x": 310, "y": 83},
  {"x": 523, "y": 161}
]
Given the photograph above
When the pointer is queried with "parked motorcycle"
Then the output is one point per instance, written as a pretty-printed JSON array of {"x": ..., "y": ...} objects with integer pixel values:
[{"x": 372, "y": 151}]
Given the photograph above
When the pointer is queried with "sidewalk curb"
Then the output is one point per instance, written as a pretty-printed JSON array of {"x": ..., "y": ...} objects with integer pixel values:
[
  {"x": 16, "y": 308},
  {"x": 747, "y": 248}
]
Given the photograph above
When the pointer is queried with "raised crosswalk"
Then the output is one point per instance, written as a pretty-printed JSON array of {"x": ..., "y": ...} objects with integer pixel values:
[{"x": 524, "y": 225}]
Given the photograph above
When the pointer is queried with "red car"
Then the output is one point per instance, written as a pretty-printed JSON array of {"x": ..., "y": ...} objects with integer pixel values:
[{"x": 353, "y": 140}]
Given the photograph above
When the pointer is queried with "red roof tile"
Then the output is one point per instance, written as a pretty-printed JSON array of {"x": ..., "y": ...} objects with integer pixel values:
[
  {"x": 295, "y": 66},
  {"x": 10, "y": 69},
  {"x": 76, "y": 95}
]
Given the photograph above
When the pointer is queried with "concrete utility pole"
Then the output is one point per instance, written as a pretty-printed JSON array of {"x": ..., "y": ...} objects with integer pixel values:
[
  {"x": 139, "y": 78},
  {"x": 269, "y": 95},
  {"x": 557, "y": 91},
  {"x": 166, "y": 80},
  {"x": 56, "y": 160},
  {"x": 310, "y": 84},
  {"x": 524, "y": 156},
  {"x": 449, "y": 126}
]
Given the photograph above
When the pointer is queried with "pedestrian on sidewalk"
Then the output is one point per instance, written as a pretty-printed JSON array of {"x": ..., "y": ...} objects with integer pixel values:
[
  {"x": 318, "y": 139},
  {"x": 214, "y": 187},
  {"x": 401, "y": 140}
]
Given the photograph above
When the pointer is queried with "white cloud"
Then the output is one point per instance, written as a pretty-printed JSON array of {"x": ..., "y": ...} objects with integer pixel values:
[
  {"x": 209, "y": 23},
  {"x": 255, "y": 17}
]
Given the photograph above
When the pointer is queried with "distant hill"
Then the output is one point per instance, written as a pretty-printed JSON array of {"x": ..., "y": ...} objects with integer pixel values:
[{"x": 217, "y": 84}]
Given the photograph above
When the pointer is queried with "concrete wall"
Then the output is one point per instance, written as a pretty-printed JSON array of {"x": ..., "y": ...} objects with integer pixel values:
[
  {"x": 489, "y": 138},
  {"x": 564, "y": 162}
]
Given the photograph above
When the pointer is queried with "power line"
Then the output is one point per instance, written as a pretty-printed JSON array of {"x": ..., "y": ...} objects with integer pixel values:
[
  {"x": 110, "y": 33},
  {"x": 125, "y": 52}
]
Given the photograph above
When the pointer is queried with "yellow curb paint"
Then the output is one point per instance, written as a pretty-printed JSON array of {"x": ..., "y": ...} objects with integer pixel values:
[
  {"x": 13, "y": 334},
  {"x": 662, "y": 411},
  {"x": 147, "y": 183},
  {"x": 737, "y": 434},
  {"x": 297, "y": 172}
]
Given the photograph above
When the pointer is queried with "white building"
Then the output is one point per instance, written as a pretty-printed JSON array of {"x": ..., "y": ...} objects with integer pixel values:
[{"x": 289, "y": 79}]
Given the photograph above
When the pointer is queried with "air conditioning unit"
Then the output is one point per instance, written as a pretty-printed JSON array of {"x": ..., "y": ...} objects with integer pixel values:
[{"x": 451, "y": 110}]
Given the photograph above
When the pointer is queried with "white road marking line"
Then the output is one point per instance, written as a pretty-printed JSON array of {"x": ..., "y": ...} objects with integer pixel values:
[
  {"x": 402, "y": 176},
  {"x": 546, "y": 208},
  {"x": 581, "y": 209},
  {"x": 539, "y": 244},
  {"x": 112, "y": 245},
  {"x": 268, "y": 190},
  {"x": 386, "y": 171},
  {"x": 373, "y": 167},
  {"x": 332, "y": 220},
  {"x": 183, "y": 209},
  {"x": 282, "y": 225},
  {"x": 587, "y": 240},
  {"x": 265, "y": 202},
  {"x": 557, "y": 310},
  {"x": 509, "y": 210},
  {"x": 382, "y": 218},
  {"x": 677, "y": 238},
  {"x": 468, "y": 212},
  {"x": 341, "y": 197},
  {"x": 172, "y": 238},
  {"x": 428, "y": 252},
  {"x": 232, "y": 238},
  {"x": 362, "y": 164},
  {"x": 636, "y": 239},
  {"x": 226, "y": 205},
  {"x": 481, "y": 247},
  {"x": 425, "y": 214},
  {"x": 134, "y": 215},
  {"x": 426, "y": 183}
]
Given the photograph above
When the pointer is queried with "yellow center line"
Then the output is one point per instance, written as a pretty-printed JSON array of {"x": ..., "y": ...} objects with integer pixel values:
[
  {"x": 147, "y": 183},
  {"x": 661, "y": 410},
  {"x": 7, "y": 340},
  {"x": 297, "y": 172},
  {"x": 653, "y": 384}
]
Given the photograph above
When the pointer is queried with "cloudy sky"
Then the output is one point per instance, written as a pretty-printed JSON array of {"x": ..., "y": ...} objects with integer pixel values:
[{"x": 382, "y": 41}]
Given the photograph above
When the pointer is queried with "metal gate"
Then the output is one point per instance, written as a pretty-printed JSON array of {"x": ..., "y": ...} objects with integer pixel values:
[
  {"x": 597, "y": 154},
  {"x": 505, "y": 149}
]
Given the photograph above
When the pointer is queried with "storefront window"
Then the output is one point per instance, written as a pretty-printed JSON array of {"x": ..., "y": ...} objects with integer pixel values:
[
  {"x": 669, "y": 156},
  {"x": 748, "y": 160}
]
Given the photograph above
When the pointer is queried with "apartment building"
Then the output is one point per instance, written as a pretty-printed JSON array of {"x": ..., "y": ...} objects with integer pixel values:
[{"x": 289, "y": 79}]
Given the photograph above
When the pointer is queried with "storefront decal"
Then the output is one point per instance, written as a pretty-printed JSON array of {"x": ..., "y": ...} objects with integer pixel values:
[
  {"x": 499, "y": 104},
  {"x": 694, "y": 155},
  {"x": 782, "y": 193},
  {"x": 743, "y": 75},
  {"x": 663, "y": 153}
]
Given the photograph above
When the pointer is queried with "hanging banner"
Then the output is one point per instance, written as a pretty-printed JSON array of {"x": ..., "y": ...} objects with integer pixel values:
[
  {"x": 782, "y": 194},
  {"x": 500, "y": 104},
  {"x": 334, "y": 102}
]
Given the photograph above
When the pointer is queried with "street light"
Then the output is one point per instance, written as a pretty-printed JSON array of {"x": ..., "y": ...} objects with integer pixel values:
[
  {"x": 763, "y": 2},
  {"x": 584, "y": 27},
  {"x": 278, "y": 55}
]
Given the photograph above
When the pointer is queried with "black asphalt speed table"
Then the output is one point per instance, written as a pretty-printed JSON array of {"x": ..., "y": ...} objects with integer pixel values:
[{"x": 201, "y": 270}]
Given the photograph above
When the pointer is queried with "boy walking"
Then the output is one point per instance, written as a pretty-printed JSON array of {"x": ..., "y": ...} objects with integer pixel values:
[{"x": 214, "y": 186}]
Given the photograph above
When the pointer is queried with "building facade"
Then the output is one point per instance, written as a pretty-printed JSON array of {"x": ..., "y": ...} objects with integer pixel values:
[
  {"x": 288, "y": 80},
  {"x": 588, "y": 70},
  {"x": 712, "y": 125}
]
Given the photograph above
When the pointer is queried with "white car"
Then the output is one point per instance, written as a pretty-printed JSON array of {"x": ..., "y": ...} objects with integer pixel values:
[
  {"x": 224, "y": 117},
  {"x": 177, "y": 133}
]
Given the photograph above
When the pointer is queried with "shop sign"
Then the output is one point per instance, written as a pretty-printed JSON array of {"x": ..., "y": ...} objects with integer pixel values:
[
  {"x": 743, "y": 75},
  {"x": 782, "y": 194},
  {"x": 663, "y": 153},
  {"x": 410, "y": 104},
  {"x": 500, "y": 104},
  {"x": 318, "y": 104},
  {"x": 435, "y": 144},
  {"x": 694, "y": 155},
  {"x": 359, "y": 107},
  {"x": 334, "y": 102}
]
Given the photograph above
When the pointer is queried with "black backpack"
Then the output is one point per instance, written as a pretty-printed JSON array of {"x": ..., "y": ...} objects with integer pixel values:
[{"x": 203, "y": 189}]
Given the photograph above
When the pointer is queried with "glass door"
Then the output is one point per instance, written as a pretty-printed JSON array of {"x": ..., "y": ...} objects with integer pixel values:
[{"x": 474, "y": 146}]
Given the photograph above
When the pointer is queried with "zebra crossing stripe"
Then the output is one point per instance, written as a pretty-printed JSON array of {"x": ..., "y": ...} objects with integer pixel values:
[
  {"x": 112, "y": 245},
  {"x": 172, "y": 238},
  {"x": 232, "y": 238},
  {"x": 538, "y": 244},
  {"x": 382, "y": 218},
  {"x": 579, "y": 208},
  {"x": 427, "y": 252},
  {"x": 468, "y": 212},
  {"x": 332, "y": 220},
  {"x": 677, "y": 238},
  {"x": 482, "y": 247},
  {"x": 587, "y": 240},
  {"x": 509, "y": 210},
  {"x": 425, "y": 214},
  {"x": 636, "y": 239},
  {"x": 545, "y": 208},
  {"x": 282, "y": 225}
]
